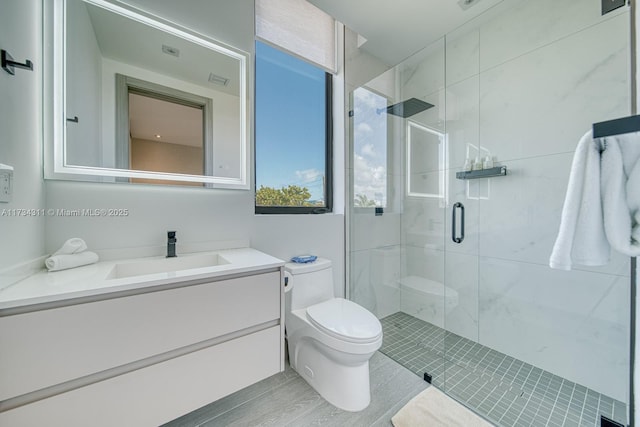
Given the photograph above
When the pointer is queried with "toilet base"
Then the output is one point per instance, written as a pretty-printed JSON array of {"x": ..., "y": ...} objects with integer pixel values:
[{"x": 344, "y": 386}]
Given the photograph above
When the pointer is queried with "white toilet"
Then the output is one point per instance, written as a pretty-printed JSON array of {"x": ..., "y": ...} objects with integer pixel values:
[{"x": 330, "y": 339}]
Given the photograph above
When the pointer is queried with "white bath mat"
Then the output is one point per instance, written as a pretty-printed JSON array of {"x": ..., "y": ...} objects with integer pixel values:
[{"x": 435, "y": 409}]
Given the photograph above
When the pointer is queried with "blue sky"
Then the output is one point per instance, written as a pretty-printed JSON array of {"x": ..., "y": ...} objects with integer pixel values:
[{"x": 290, "y": 122}]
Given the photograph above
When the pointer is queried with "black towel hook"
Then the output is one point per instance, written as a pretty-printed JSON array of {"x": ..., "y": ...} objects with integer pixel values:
[{"x": 8, "y": 64}]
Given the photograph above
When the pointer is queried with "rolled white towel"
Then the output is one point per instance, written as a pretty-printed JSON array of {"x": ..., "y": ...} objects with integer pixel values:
[
  {"x": 66, "y": 261},
  {"x": 72, "y": 246}
]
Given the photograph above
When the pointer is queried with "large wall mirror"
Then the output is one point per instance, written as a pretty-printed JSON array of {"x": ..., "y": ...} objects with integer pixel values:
[{"x": 138, "y": 99}]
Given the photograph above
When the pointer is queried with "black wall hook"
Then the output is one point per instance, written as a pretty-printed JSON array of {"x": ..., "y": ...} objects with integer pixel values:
[{"x": 8, "y": 64}]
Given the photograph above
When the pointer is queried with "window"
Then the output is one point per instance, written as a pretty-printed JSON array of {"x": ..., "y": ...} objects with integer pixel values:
[
  {"x": 293, "y": 134},
  {"x": 369, "y": 149}
]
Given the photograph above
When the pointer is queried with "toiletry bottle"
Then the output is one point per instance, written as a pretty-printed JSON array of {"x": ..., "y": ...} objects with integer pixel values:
[
  {"x": 467, "y": 165},
  {"x": 487, "y": 163},
  {"x": 477, "y": 164}
]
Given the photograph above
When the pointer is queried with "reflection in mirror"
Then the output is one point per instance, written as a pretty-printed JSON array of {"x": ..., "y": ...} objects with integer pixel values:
[
  {"x": 144, "y": 101},
  {"x": 426, "y": 162},
  {"x": 164, "y": 135},
  {"x": 161, "y": 129}
]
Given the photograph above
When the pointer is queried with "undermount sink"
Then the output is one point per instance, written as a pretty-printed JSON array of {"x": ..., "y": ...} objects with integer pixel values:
[{"x": 165, "y": 265}]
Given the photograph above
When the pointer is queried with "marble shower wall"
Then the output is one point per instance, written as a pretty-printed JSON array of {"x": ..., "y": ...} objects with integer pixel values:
[{"x": 522, "y": 83}]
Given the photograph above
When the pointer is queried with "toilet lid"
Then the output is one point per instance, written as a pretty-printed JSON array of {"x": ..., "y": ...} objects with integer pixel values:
[{"x": 345, "y": 320}]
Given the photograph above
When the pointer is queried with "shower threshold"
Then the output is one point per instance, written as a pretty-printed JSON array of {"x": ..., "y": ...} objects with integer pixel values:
[{"x": 505, "y": 390}]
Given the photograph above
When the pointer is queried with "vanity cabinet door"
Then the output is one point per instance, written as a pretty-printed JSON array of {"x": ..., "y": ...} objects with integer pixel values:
[
  {"x": 48, "y": 347},
  {"x": 159, "y": 393}
]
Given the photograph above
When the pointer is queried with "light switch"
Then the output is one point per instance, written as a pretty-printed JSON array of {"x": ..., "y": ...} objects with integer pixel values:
[{"x": 6, "y": 183}]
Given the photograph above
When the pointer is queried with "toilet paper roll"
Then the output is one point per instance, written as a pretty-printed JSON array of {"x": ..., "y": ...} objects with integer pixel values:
[{"x": 288, "y": 283}]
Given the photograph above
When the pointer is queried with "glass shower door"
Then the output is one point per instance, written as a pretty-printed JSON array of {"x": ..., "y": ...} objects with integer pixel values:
[
  {"x": 425, "y": 204},
  {"x": 397, "y": 224},
  {"x": 480, "y": 314},
  {"x": 483, "y": 315},
  {"x": 527, "y": 344}
]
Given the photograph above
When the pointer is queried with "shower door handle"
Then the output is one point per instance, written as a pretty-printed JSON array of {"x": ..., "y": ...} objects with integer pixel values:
[{"x": 454, "y": 236}]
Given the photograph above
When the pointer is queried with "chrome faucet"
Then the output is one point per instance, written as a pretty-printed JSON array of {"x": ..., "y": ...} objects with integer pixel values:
[{"x": 171, "y": 244}]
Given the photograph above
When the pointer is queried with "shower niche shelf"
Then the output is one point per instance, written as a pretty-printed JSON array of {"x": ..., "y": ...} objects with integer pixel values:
[{"x": 484, "y": 173}]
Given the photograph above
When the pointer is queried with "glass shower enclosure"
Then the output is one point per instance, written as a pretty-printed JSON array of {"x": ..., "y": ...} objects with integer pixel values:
[{"x": 459, "y": 163}]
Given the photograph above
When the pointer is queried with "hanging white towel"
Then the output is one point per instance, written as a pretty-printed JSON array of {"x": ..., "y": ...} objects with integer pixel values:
[
  {"x": 620, "y": 186},
  {"x": 66, "y": 261},
  {"x": 72, "y": 246},
  {"x": 581, "y": 237}
]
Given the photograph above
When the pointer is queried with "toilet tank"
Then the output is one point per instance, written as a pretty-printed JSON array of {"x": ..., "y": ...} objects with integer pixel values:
[{"x": 311, "y": 283}]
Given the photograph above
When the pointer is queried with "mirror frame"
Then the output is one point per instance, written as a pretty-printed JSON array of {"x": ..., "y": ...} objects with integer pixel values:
[{"x": 54, "y": 90}]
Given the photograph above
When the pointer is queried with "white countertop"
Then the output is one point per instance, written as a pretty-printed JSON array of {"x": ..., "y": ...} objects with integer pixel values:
[{"x": 92, "y": 280}]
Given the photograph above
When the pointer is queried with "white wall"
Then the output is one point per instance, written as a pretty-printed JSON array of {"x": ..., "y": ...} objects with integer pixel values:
[
  {"x": 197, "y": 215},
  {"x": 21, "y": 130}
]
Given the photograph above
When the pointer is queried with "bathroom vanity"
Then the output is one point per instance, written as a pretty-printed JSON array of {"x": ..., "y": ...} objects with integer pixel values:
[{"x": 138, "y": 342}]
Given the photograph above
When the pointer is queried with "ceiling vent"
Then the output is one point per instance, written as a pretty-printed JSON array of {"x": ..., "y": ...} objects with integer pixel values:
[{"x": 218, "y": 80}]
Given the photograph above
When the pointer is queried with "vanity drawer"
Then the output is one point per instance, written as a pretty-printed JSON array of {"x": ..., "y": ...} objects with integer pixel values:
[
  {"x": 44, "y": 348},
  {"x": 158, "y": 393}
]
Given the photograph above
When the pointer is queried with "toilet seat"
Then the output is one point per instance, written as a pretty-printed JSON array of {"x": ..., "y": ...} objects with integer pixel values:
[{"x": 345, "y": 320}]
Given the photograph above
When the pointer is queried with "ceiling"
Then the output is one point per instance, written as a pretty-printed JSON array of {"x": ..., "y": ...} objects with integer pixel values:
[
  {"x": 134, "y": 43},
  {"x": 397, "y": 29}
]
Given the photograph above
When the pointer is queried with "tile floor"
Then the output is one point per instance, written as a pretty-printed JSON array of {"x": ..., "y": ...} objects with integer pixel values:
[
  {"x": 286, "y": 399},
  {"x": 507, "y": 391}
]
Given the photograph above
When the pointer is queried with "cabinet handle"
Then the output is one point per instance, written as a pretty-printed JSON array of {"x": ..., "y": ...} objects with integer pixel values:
[{"x": 454, "y": 237}]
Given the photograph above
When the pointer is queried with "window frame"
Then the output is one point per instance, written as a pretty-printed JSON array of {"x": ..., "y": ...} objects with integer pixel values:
[{"x": 328, "y": 207}]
